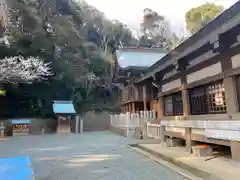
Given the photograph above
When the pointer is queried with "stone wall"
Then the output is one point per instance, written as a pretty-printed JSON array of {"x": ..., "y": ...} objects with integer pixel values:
[
  {"x": 119, "y": 131},
  {"x": 96, "y": 121}
]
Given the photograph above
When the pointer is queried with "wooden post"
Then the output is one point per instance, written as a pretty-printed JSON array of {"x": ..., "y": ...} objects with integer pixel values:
[
  {"x": 144, "y": 98},
  {"x": 188, "y": 133},
  {"x": 2, "y": 128},
  {"x": 161, "y": 104},
  {"x": 231, "y": 95},
  {"x": 186, "y": 106},
  {"x": 136, "y": 93},
  {"x": 133, "y": 107},
  {"x": 162, "y": 136},
  {"x": 81, "y": 126},
  {"x": 129, "y": 107},
  {"x": 77, "y": 124}
]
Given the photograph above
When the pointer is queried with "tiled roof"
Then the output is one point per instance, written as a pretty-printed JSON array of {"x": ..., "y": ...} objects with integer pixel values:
[{"x": 138, "y": 57}]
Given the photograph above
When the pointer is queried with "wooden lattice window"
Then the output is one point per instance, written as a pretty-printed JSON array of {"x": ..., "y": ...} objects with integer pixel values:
[
  {"x": 168, "y": 106},
  {"x": 177, "y": 104},
  {"x": 173, "y": 105},
  {"x": 208, "y": 99}
]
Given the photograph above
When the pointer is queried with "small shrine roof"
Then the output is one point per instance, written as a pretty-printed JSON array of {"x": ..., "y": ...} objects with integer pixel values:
[
  {"x": 21, "y": 121},
  {"x": 63, "y": 107}
]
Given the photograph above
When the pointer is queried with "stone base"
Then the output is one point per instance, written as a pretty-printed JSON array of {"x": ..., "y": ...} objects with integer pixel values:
[
  {"x": 202, "y": 150},
  {"x": 173, "y": 142},
  {"x": 235, "y": 150},
  {"x": 118, "y": 131},
  {"x": 62, "y": 131},
  {"x": 20, "y": 132}
]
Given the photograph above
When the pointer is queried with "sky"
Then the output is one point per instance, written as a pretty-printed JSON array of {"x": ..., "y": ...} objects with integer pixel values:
[{"x": 130, "y": 12}]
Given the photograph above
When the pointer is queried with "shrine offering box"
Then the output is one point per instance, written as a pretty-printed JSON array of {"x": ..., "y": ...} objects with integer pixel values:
[{"x": 20, "y": 127}]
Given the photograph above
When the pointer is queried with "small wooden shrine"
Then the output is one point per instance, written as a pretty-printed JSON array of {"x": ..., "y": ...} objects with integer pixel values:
[
  {"x": 20, "y": 127},
  {"x": 65, "y": 115}
]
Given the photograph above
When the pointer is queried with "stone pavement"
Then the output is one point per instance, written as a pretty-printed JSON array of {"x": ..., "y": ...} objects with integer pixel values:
[
  {"x": 92, "y": 156},
  {"x": 220, "y": 168}
]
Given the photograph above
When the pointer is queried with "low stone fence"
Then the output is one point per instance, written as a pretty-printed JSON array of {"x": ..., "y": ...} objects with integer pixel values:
[
  {"x": 132, "y": 124},
  {"x": 153, "y": 131},
  {"x": 224, "y": 130},
  {"x": 94, "y": 121},
  {"x": 208, "y": 131}
]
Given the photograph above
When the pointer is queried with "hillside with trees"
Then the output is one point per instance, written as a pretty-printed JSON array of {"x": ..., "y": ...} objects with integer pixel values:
[
  {"x": 75, "y": 45},
  {"x": 79, "y": 44}
]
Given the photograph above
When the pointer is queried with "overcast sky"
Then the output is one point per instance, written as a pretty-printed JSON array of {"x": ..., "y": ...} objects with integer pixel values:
[{"x": 130, "y": 11}]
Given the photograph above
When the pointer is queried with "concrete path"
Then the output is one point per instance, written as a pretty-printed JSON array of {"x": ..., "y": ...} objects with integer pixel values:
[
  {"x": 218, "y": 168},
  {"x": 93, "y": 156}
]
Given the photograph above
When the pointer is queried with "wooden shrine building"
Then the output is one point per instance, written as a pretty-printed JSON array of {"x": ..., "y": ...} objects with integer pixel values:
[
  {"x": 198, "y": 85},
  {"x": 65, "y": 115},
  {"x": 132, "y": 64}
]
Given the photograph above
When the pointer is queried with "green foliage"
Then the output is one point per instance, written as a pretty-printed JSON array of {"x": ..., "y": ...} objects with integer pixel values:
[
  {"x": 79, "y": 41},
  {"x": 156, "y": 32},
  {"x": 198, "y": 17}
]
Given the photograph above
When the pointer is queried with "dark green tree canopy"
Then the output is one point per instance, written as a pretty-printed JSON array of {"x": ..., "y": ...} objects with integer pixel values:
[
  {"x": 198, "y": 17},
  {"x": 79, "y": 42}
]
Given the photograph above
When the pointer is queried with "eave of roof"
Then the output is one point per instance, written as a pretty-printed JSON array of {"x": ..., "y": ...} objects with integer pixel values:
[
  {"x": 63, "y": 107},
  {"x": 138, "y": 57},
  {"x": 143, "y": 49}
]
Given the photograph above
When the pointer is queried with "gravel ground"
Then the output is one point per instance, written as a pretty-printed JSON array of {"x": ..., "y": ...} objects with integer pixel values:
[{"x": 92, "y": 156}]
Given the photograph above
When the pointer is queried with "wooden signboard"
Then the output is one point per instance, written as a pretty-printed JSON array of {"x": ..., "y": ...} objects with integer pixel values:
[{"x": 20, "y": 127}]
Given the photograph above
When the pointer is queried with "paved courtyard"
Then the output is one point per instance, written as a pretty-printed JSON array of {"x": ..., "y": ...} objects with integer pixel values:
[{"x": 92, "y": 156}]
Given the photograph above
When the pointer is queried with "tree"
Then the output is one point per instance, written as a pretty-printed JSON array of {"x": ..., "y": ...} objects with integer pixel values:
[
  {"x": 155, "y": 30},
  {"x": 78, "y": 41},
  {"x": 198, "y": 17},
  {"x": 15, "y": 70}
]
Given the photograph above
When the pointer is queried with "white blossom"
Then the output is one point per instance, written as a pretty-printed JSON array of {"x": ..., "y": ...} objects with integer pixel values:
[{"x": 18, "y": 69}]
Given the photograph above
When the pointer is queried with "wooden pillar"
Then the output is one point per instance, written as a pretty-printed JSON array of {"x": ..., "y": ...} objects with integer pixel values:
[
  {"x": 136, "y": 93},
  {"x": 145, "y": 98},
  {"x": 161, "y": 104},
  {"x": 231, "y": 98},
  {"x": 77, "y": 129},
  {"x": 133, "y": 107},
  {"x": 229, "y": 85},
  {"x": 162, "y": 136},
  {"x": 186, "y": 106},
  {"x": 231, "y": 95}
]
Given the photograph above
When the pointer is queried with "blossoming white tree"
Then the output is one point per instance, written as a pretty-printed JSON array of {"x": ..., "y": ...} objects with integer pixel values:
[{"x": 18, "y": 69}]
